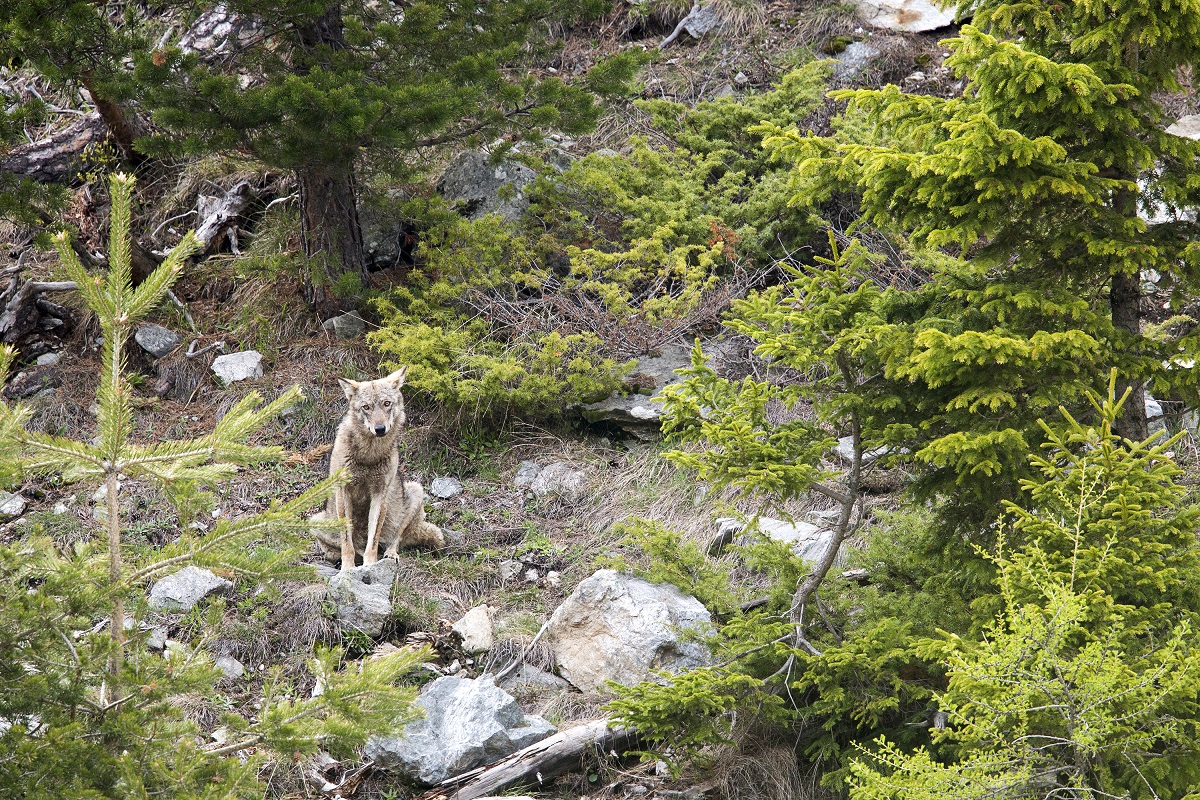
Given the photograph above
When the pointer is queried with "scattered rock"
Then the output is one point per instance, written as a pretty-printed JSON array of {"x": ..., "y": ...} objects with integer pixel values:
[
  {"x": 234, "y": 367},
  {"x": 445, "y": 488},
  {"x": 845, "y": 451},
  {"x": 230, "y": 666},
  {"x": 616, "y": 627},
  {"x": 59, "y": 508},
  {"x": 156, "y": 641},
  {"x": 363, "y": 594},
  {"x": 562, "y": 479},
  {"x": 509, "y": 569},
  {"x": 476, "y": 630},
  {"x": 1188, "y": 127},
  {"x": 808, "y": 541},
  {"x": 639, "y": 413},
  {"x": 526, "y": 473},
  {"x": 741, "y": 79},
  {"x": 33, "y": 381},
  {"x": 467, "y": 724},
  {"x": 184, "y": 589},
  {"x": 11, "y": 506},
  {"x": 527, "y": 679},
  {"x": 853, "y": 62},
  {"x": 346, "y": 326},
  {"x": 48, "y": 359},
  {"x": 483, "y": 188},
  {"x": 156, "y": 340},
  {"x": 532, "y": 575},
  {"x": 913, "y": 16}
]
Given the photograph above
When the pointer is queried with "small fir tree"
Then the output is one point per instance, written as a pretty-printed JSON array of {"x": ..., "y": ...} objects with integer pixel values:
[{"x": 90, "y": 714}]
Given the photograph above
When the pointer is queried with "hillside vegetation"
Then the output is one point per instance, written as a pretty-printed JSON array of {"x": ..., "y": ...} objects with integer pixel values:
[{"x": 878, "y": 346}]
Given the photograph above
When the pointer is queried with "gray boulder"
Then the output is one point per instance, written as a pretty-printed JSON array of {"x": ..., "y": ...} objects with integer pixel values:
[
  {"x": 467, "y": 724},
  {"x": 346, "y": 326},
  {"x": 853, "y": 62},
  {"x": 156, "y": 340},
  {"x": 526, "y": 473},
  {"x": 11, "y": 506},
  {"x": 560, "y": 479},
  {"x": 528, "y": 680},
  {"x": 639, "y": 413},
  {"x": 363, "y": 595},
  {"x": 230, "y": 666},
  {"x": 616, "y": 627},
  {"x": 810, "y": 542},
  {"x": 476, "y": 630},
  {"x": 234, "y": 367},
  {"x": 912, "y": 16},
  {"x": 182, "y": 590},
  {"x": 482, "y": 187},
  {"x": 1187, "y": 127}
]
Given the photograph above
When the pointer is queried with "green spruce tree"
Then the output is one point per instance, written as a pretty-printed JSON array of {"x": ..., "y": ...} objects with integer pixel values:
[
  {"x": 1038, "y": 172},
  {"x": 326, "y": 84}
]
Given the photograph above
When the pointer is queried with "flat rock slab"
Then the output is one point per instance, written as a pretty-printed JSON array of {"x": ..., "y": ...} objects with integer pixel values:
[
  {"x": 617, "y": 627},
  {"x": 912, "y": 16},
  {"x": 346, "y": 326},
  {"x": 561, "y": 479},
  {"x": 184, "y": 589},
  {"x": 482, "y": 187},
  {"x": 467, "y": 724},
  {"x": 810, "y": 542},
  {"x": 445, "y": 488},
  {"x": 156, "y": 340},
  {"x": 234, "y": 367}
]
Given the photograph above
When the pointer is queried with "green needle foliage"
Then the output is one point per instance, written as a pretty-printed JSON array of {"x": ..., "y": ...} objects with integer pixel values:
[
  {"x": 92, "y": 714},
  {"x": 1038, "y": 172},
  {"x": 1087, "y": 681}
]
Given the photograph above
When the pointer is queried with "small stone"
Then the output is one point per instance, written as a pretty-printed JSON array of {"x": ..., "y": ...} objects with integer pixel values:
[
  {"x": 346, "y": 326},
  {"x": 156, "y": 641},
  {"x": 562, "y": 479},
  {"x": 532, "y": 575},
  {"x": 48, "y": 359},
  {"x": 476, "y": 630},
  {"x": 740, "y": 79},
  {"x": 11, "y": 506},
  {"x": 509, "y": 569},
  {"x": 553, "y": 579},
  {"x": 230, "y": 666},
  {"x": 455, "y": 666},
  {"x": 445, "y": 488},
  {"x": 526, "y": 473},
  {"x": 59, "y": 508},
  {"x": 156, "y": 340},
  {"x": 234, "y": 367}
]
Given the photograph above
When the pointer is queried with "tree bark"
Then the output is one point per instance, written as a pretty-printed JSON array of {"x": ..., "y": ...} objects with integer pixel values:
[
  {"x": 122, "y": 123},
  {"x": 331, "y": 235},
  {"x": 55, "y": 159},
  {"x": 1124, "y": 299}
]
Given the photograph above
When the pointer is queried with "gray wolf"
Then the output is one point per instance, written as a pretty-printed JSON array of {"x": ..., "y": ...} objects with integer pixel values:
[{"x": 380, "y": 507}]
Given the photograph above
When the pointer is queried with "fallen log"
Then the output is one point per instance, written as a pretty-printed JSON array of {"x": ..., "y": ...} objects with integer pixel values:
[
  {"x": 539, "y": 763},
  {"x": 218, "y": 214},
  {"x": 55, "y": 158},
  {"x": 24, "y": 308}
]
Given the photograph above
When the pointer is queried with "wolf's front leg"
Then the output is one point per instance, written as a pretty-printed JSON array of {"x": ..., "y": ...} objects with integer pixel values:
[
  {"x": 374, "y": 520},
  {"x": 347, "y": 533}
]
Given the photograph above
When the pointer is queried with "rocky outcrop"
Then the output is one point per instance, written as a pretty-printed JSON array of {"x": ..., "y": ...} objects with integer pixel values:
[
  {"x": 184, "y": 589},
  {"x": 639, "y": 412},
  {"x": 481, "y": 187},
  {"x": 616, "y": 627},
  {"x": 467, "y": 724},
  {"x": 912, "y": 16}
]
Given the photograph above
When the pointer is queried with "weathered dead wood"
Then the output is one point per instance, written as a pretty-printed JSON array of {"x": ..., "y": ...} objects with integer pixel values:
[
  {"x": 218, "y": 214},
  {"x": 55, "y": 158},
  {"x": 24, "y": 307},
  {"x": 539, "y": 763}
]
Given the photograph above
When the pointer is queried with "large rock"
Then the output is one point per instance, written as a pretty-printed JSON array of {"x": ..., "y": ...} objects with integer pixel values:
[
  {"x": 1188, "y": 127},
  {"x": 912, "y": 16},
  {"x": 639, "y": 413},
  {"x": 156, "y": 340},
  {"x": 483, "y": 188},
  {"x": 234, "y": 367},
  {"x": 363, "y": 595},
  {"x": 346, "y": 326},
  {"x": 616, "y": 627},
  {"x": 182, "y": 590},
  {"x": 810, "y": 542},
  {"x": 467, "y": 724},
  {"x": 476, "y": 630}
]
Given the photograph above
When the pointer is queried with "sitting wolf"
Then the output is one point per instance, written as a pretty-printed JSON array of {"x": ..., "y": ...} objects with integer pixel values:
[{"x": 380, "y": 507}]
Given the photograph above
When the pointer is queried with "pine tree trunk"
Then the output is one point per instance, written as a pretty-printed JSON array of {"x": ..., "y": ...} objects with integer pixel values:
[
  {"x": 1124, "y": 299},
  {"x": 328, "y": 200},
  {"x": 122, "y": 125},
  {"x": 331, "y": 232}
]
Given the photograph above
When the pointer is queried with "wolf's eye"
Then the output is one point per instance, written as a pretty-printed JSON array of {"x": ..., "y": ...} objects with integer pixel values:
[
  {"x": 366, "y": 407},
  {"x": 387, "y": 403}
]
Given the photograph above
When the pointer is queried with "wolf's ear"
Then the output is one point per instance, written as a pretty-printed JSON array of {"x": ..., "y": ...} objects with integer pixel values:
[
  {"x": 397, "y": 377},
  {"x": 349, "y": 387}
]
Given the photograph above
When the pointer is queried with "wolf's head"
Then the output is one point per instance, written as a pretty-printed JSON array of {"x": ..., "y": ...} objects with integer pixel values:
[{"x": 376, "y": 405}]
